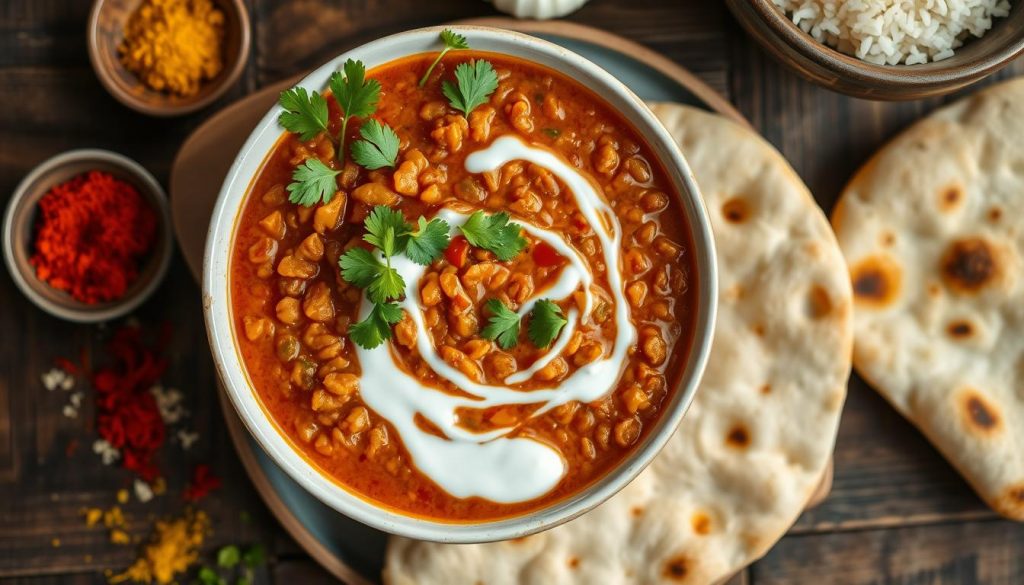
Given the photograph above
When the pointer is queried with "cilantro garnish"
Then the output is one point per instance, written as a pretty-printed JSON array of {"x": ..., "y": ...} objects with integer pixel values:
[
  {"x": 502, "y": 325},
  {"x": 451, "y": 40},
  {"x": 384, "y": 229},
  {"x": 305, "y": 114},
  {"x": 494, "y": 233},
  {"x": 379, "y": 147},
  {"x": 313, "y": 181},
  {"x": 356, "y": 95},
  {"x": 474, "y": 83},
  {"x": 428, "y": 241},
  {"x": 546, "y": 320},
  {"x": 387, "y": 230},
  {"x": 375, "y": 329}
]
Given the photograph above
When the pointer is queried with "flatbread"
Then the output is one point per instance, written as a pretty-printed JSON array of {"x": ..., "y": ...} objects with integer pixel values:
[
  {"x": 932, "y": 229},
  {"x": 539, "y": 9},
  {"x": 760, "y": 432}
]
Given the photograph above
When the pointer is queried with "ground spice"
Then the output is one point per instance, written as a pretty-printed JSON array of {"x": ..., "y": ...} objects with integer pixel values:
[
  {"x": 174, "y": 547},
  {"x": 127, "y": 415},
  {"x": 92, "y": 233},
  {"x": 174, "y": 45},
  {"x": 203, "y": 482}
]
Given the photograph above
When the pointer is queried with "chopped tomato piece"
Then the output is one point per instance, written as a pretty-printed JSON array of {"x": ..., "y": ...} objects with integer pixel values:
[
  {"x": 457, "y": 251},
  {"x": 544, "y": 255}
]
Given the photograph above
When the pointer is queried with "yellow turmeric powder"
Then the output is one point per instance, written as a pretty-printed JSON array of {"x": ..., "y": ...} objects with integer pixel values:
[
  {"x": 173, "y": 549},
  {"x": 174, "y": 45}
]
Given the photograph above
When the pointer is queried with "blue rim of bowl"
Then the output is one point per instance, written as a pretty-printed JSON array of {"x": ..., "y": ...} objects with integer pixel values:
[{"x": 107, "y": 311}]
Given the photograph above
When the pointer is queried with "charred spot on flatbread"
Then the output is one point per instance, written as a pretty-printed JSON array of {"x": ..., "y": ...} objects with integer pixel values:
[
  {"x": 960, "y": 329},
  {"x": 995, "y": 213},
  {"x": 735, "y": 210},
  {"x": 573, "y": 562},
  {"x": 738, "y": 437},
  {"x": 676, "y": 568},
  {"x": 980, "y": 415},
  {"x": 1011, "y": 503},
  {"x": 766, "y": 389},
  {"x": 637, "y": 511},
  {"x": 701, "y": 523},
  {"x": 969, "y": 265},
  {"x": 819, "y": 304},
  {"x": 951, "y": 197},
  {"x": 876, "y": 281}
]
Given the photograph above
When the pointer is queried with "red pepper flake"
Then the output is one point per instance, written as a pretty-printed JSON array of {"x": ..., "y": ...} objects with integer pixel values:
[
  {"x": 93, "y": 231},
  {"x": 202, "y": 483},
  {"x": 127, "y": 416}
]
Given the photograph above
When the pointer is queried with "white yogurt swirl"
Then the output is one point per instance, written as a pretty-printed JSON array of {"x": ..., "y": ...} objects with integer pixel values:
[{"x": 491, "y": 465}]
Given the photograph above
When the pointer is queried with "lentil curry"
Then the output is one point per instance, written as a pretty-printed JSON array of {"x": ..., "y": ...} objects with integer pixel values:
[{"x": 520, "y": 357}]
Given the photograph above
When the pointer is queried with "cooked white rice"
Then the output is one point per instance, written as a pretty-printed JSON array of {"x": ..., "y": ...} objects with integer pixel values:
[{"x": 893, "y": 32}]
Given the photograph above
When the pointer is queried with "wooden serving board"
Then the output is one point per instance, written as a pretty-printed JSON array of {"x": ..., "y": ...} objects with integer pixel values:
[{"x": 195, "y": 181}]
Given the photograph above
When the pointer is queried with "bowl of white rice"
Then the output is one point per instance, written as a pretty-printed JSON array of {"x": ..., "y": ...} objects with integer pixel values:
[{"x": 888, "y": 49}]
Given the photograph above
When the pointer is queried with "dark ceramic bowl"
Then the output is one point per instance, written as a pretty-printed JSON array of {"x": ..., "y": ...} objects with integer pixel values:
[
  {"x": 106, "y": 31},
  {"x": 978, "y": 58},
  {"x": 20, "y": 220}
]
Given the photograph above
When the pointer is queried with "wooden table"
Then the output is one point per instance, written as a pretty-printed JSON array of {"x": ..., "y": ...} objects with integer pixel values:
[{"x": 897, "y": 513}]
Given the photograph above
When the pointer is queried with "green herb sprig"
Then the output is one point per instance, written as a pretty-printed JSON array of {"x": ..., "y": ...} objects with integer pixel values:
[
  {"x": 475, "y": 81},
  {"x": 451, "y": 40},
  {"x": 545, "y": 323},
  {"x": 390, "y": 234},
  {"x": 356, "y": 95},
  {"x": 495, "y": 233},
  {"x": 378, "y": 148}
]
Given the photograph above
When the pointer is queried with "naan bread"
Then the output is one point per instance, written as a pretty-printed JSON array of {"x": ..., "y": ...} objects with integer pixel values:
[
  {"x": 538, "y": 9},
  {"x": 933, "y": 229},
  {"x": 760, "y": 432}
]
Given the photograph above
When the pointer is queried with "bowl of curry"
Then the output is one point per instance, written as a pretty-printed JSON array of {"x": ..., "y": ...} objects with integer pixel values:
[{"x": 460, "y": 284}]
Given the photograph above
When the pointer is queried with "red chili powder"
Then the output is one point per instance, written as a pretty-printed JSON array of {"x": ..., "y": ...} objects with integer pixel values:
[
  {"x": 127, "y": 415},
  {"x": 93, "y": 231},
  {"x": 203, "y": 482}
]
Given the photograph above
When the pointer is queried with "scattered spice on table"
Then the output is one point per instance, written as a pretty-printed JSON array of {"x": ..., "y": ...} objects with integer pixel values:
[
  {"x": 112, "y": 519},
  {"x": 93, "y": 232},
  {"x": 127, "y": 415},
  {"x": 203, "y": 482},
  {"x": 174, "y": 45},
  {"x": 172, "y": 549}
]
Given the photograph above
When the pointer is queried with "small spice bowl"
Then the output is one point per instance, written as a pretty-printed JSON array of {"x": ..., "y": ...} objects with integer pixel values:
[
  {"x": 19, "y": 230},
  {"x": 105, "y": 32},
  {"x": 817, "y": 62}
]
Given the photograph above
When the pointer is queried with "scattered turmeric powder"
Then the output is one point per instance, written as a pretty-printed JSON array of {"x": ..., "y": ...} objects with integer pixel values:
[
  {"x": 113, "y": 519},
  {"x": 174, "y": 547},
  {"x": 174, "y": 45}
]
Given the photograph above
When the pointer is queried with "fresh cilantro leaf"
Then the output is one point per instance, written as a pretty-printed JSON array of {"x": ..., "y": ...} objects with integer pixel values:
[
  {"x": 388, "y": 285},
  {"x": 475, "y": 82},
  {"x": 382, "y": 282},
  {"x": 382, "y": 221},
  {"x": 228, "y": 556},
  {"x": 379, "y": 147},
  {"x": 428, "y": 241},
  {"x": 546, "y": 320},
  {"x": 254, "y": 556},
  {"x": 451, "y": 40},
  {"x": 313, "y": 181},
  {"x": 494, "y": 233},
  {"x": 244, "y": 580},
  {"x": 375, "y": 329},
  {"x": 305, "y": 114},
  {"x": 360, "y": 267},
  {"x": 502, "y": 325},
  {"x": 356, "y": 95}
]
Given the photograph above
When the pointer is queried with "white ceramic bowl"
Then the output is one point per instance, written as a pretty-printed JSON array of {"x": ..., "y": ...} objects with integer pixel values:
[{"x": 219, "y": 320}]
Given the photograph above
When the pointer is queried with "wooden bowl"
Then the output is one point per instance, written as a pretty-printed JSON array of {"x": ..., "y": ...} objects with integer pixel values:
[
  {"x": 978, "y": 58},
  {"x": 19, "y": 228},
  {"x": 106, "y": 31}
]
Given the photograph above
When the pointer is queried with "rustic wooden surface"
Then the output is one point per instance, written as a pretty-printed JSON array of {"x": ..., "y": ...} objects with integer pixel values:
[{"x": 897, "y": 513}]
